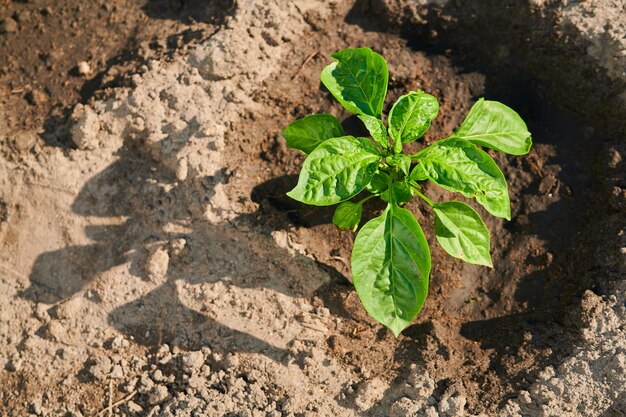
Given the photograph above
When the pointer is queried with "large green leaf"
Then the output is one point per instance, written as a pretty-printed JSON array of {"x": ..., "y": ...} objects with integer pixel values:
[
  {"x": 337, "y": 170},
  {"x": 348, "y": 215},
  {"x": 462, "y": 233},
  {"x": 307, "y": 133},
  {"x": 376, "y": 128},
  {"x": 496, "y": 126},
  {"x": 390, "y": 268},
  {"x": 458, "y": 165},
  {"x": 358, "y": 80},
  {"x": 411, "y": 115}
]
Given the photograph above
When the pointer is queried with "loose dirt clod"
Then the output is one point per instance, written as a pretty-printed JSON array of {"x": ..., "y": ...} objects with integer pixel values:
[
  {"x": 83, "y": 68},
  {"x": 8, "y": 25},
  {"x": 86, "y": 127}
]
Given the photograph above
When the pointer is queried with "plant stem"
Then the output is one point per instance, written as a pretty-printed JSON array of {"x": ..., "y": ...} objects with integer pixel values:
[
  {"x": 369, "y": 197},
  {"x": 423, "y": 197}
]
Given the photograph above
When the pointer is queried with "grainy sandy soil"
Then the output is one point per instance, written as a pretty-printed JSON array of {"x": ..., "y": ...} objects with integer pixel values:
[{"x": 152, "y": 265}]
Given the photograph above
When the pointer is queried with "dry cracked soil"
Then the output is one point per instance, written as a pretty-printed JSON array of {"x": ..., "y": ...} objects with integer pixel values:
[{"x": 151, "y": 264}]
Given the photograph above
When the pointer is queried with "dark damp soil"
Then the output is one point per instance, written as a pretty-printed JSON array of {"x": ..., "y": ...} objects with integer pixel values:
[{"x": 494, "y": 329}]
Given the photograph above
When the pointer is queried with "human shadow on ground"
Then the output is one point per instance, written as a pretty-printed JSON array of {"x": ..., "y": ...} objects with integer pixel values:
[{"x": 155, "y": 210}]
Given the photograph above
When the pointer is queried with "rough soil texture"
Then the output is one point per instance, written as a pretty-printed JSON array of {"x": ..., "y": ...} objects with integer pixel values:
[{"x": 151, "y": 264}]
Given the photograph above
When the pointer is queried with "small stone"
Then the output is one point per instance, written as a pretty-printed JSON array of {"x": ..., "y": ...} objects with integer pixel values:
[
  {"x": 117, "y": 372},
  {"x": 195, "y": 381},
  {"x": 130, "y": 385},
  {"x": 453, "y": 406},
  {"x": 157, "y": 265},
  {"x": 35, "y": 407},
  {"x": 86, "y": 127},
  {"x": 117, "y": 342},
  {"x": 8, "y": 25},
  {"x": 165, "y": 359},
  {"x": 133, "y": 407},
  {"x": 157, "y": 375},
  {"x": 322, "y": 312},
  {"x": 14, "y": 365},
  {"x": 617, "y": 199},
  {"x": 421, "y": 385},
  {"x": 182, "y": 169},
  {"x": 83, "y": 68},
  {"x": 145, "y": 384},
  {"x": 547, "y": 373},
  {"x": 369, "y": 394},
  {"x": 36, "y": 97},
  {"x": 615, "y": 158},
  {"x": 24, "y": 140},
  {"x": 404, "y": 407},
  {"x": 177, "y": 246},
  {"x": 231, "y": 362},
  {"x": 431, "y": 412},
  {"x": 55, "y": 331},
  {"x": 193, "y": 361},
  {"x": 41, "y": 312},
  {"x": 158, "y": 394},
  {"x": 524, "y": 397},
  {"x": 101, "y": 369}
]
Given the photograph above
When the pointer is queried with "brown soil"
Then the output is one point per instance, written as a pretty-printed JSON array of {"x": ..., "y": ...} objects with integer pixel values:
[
  {"x": 40, "y": 77},
  {"x": 231, "y": 289}
]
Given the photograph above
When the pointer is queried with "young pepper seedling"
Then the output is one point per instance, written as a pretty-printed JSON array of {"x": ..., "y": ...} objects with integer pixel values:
[{"x": 390, "y": 258}]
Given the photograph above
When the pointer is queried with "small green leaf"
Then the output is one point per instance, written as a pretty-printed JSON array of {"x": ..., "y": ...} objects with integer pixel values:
[
  {"x": 418, "y": 173},
  {"x": 458, "y": 165},
  {"x": 390, "y": 268},
  {"x": 307, "y": 133},
  {"x": 377, "y": 129},
  {"x": 496, "y": 126},
  {"x": 337, "y": 170},
  {"x": 348, "y": 215},
  {"x": 358, "y": 80},
  {"x": 411, "y": 115},
  {"x": 401, "y": 161},
  {"x": 379, "y": 183},
  {"x": 398, "y": 192},
  {"x": 462, "y": 233}
]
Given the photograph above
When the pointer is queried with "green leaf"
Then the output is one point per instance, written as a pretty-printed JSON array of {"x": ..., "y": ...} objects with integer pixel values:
[
  {"x": 307, "y": 133},
  {"x": 336, "y": 171},
  {"x": 358, "y": 80},
  {"x": 418, "y": 173},
  {"x": 462, "y": 233},
  {"x": 390, "y": 268},
  {"x": 348, "y": 215},
  {"x": 379, "y": 183},
  {"x": 458, "y": 165},
  {"x": 398, "y": 192},
  {"x": 400, "y": 160},
  {"x": 377, "y": 129},
  {"x": 496, "y": 126},
  {"x": 411, "y": 115}
]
